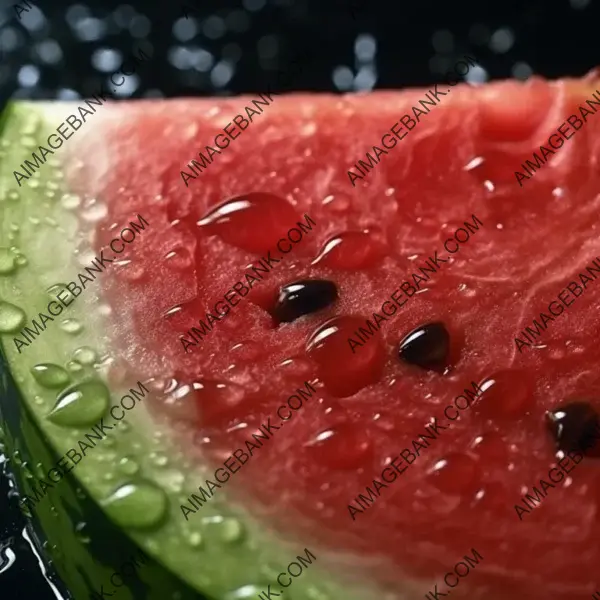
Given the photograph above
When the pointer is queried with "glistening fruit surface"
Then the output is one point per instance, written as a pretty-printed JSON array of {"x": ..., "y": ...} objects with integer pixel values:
[{"x": 533, "y": 241}]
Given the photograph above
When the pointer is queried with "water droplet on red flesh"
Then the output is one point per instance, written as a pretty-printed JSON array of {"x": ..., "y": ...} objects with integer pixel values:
[
  {"x": 352, "y": 250},
  {"x": 345, "y": 373},
  {"x": 255, "y": 221},
  {"x": 344, "y": 446},
  {"x": 506, "y": 394}
]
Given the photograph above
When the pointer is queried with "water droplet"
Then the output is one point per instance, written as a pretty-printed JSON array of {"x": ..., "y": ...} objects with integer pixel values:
[
  {"x": 81, "y": 404},
  {"x": 490, "y": 447},
  {"x": 231, "y": 531},
  {"x": 12, "y": 318},
  {"x": 160, "y": 460},
  {"x": 296, "y": 366},
  {"x": 74, "y": 367},
  {"x": 246, "y": 350},
  {"x": 352, "y": 250},
  {"x": 456, "y": 474},
  {"x": 194, "y": 539},
  {"x": 7, "y": 262},
  {"x": 85, "y": 355},
  {"x": 81, "y": 533},
  {"x": 179, "y": 259},
  {"x": 26, "y": 471},
  {"x": 21, "y": 260},
  {"x": 343, "y": 371},
  {"x": 50, "y": 375},
  {"x": 57, "y": 288},
  {"x": 94, "y": 211},
  {"x": 128, "y": 270},
  {"x": 506, "y": 394},
  {"x": 343, "y": 446},
  {"x": 128, "y": 466},
  {"x": 245, "y": 592},
  {"x": 70, "y": 201},
  {"x": 254, "y": 222},
  {"x": 72, "y": 326},
  {"x": 204, "y": 401},
  {"x": 137, "y": 505}
]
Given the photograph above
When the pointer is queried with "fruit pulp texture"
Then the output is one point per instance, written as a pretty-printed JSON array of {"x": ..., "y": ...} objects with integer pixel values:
[{"x": 458, "y": 162}]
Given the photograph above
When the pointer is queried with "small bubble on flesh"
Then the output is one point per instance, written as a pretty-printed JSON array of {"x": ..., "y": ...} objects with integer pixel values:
[
  {"x": 427, "y": 346},
  {"x": 303, "y": 298},
  {"x": 575, "y": 427}
]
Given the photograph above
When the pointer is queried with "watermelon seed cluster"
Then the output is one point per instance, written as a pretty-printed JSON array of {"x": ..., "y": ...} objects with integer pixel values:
[{"x": 574, "y": 426}]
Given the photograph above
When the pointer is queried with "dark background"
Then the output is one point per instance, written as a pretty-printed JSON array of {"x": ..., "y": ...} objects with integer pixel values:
[{"x": 65, "y": 50}]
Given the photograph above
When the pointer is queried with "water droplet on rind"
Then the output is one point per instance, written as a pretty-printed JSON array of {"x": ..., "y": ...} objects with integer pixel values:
[
  {"x": 74, "y": 366},
  {"x": 85, "y": 355},
  {"x": 81, "y": 404},
  {"x": 49, "y": 375},
  {"x": 246, "y": 592},
  {"x": 128, "y": 466},
  {"x": 72, "y": 326},
  {"x": 137, "y": 505},
  {"x": 231, "y": 531},
  {"x": 7, "y": 262},
  {"x": 12, "y": 318},
  {"x": 57, "y": 288}
]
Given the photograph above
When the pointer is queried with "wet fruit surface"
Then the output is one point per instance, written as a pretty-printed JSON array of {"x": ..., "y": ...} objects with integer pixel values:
[{"x": 369, "y": 405}]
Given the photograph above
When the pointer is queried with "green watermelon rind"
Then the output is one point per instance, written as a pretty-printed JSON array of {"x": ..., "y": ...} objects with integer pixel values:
[{"x": 230, "y": 562}]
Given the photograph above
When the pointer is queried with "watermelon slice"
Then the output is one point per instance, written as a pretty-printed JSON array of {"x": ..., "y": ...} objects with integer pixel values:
[{"x": 301, "y": 332}]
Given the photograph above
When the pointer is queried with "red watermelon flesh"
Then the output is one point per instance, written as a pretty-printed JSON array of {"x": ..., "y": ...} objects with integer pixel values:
[{"x": 458, "y": 162}]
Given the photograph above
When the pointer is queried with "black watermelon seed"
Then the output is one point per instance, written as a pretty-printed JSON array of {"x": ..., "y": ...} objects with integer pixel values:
[
  {"x": 575, "y": 427},
  {"x": 427, "y": 346},
  {"x": 304, "y": 297}
]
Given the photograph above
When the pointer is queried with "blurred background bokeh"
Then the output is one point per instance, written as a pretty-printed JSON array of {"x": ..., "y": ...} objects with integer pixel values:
[{"x": 53, "y": 49}]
